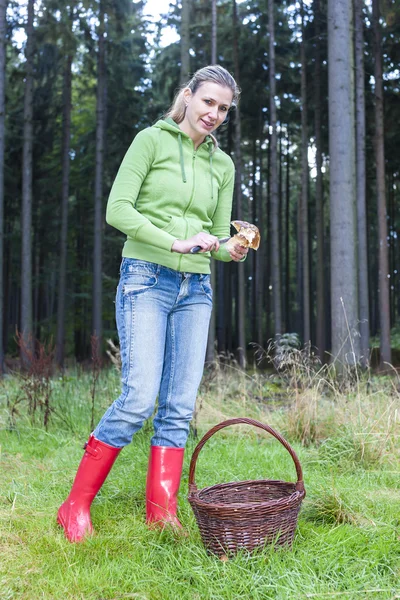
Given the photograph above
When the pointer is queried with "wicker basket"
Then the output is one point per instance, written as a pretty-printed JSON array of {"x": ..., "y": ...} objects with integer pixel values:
[{"x": 246, "y": 514}]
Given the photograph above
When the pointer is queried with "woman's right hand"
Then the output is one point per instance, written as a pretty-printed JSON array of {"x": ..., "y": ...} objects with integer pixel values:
[{"x": 206, "y": 241}]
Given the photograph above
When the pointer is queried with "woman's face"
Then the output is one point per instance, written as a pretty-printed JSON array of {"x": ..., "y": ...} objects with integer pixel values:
[{"x": 206, "y": 109}]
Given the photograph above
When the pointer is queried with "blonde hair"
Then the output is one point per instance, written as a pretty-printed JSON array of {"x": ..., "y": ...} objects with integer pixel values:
[{"x": 213, "y": 73}]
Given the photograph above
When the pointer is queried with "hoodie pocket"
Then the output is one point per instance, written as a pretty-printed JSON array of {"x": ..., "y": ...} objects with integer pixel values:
[
  {"x": 170, "y": 225},
  {"x": 176, "y": 226}
]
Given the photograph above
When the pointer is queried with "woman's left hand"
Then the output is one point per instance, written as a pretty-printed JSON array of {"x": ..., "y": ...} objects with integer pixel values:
[{"x": 238, "y": 252}]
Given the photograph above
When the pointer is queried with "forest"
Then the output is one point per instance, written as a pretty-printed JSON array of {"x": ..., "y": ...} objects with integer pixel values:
[{"x": 314, "y": 141}]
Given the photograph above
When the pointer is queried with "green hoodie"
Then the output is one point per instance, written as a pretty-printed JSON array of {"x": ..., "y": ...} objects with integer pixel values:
[{"x": 166, "y": 190}]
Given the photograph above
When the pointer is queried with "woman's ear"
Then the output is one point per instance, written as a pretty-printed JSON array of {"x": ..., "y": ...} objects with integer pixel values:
[{"x": 187, "y": 94}]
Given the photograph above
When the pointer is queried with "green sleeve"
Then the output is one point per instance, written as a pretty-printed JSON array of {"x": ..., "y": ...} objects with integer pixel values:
[
  {"x": 222, "y": 215},
  {"x": 121, "y": 212}
]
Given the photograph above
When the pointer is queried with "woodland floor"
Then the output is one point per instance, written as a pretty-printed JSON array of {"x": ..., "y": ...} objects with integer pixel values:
[{"x": 347, "y": 543}]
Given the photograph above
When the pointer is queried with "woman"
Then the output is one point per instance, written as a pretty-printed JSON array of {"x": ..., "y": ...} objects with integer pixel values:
[{"x": 173, "y": 192}]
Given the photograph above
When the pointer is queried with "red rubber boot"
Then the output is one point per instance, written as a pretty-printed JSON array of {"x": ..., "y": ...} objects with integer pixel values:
[
  {"x": 163, "y": 480},
  {"x": 74, "y": 514}
]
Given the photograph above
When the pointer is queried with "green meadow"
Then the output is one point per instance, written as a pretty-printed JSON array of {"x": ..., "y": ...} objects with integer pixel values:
[{"x": 347, "y": 544}]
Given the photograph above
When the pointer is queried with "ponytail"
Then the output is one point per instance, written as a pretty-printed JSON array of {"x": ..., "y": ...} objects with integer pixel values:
[{"x": 178, "y": 107}]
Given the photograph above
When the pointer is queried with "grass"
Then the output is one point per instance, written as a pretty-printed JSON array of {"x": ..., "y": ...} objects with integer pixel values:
[{"x": 347, "y": 543}]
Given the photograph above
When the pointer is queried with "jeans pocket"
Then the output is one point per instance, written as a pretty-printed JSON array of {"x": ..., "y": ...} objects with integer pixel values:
[
  {"x": 205, "y": 284},
  {"x": 138, "y": 276},
  {"x": 137, "y": 283}
]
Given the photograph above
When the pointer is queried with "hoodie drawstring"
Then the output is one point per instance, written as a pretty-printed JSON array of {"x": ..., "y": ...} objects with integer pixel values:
[
  {"x": 181, "y": 158},
  {"x": 182, "y": 163},
  {"x": 212, "y": 175}
]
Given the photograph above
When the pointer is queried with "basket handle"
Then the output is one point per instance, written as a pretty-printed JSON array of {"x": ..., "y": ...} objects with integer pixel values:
[{"x": 254, "y": 423}]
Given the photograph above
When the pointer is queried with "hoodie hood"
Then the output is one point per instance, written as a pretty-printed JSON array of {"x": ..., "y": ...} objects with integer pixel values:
[{"x": 170, "y": 125}]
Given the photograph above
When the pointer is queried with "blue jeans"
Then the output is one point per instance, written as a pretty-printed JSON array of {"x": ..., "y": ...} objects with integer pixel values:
[{"x": 162, "y": 318}]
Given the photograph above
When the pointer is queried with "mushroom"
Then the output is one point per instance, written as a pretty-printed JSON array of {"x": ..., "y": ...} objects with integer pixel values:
[{"x": 248, "y": 235}]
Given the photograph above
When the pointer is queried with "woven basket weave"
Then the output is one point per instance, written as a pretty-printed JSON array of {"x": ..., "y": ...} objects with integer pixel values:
[{"x": 246, "y": 514}]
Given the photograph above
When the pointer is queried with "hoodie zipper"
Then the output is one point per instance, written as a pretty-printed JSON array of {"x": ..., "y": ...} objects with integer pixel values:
[{"x": 194, "y": 155}]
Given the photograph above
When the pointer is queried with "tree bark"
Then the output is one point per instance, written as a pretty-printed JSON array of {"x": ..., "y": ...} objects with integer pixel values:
[
  {"x": 304, "y": 191},
  {"x": 384, "y": 304},
  {"x": 3, "y": 25},
  {"x": 259, "y": 255},
  {"x": 251, "y": 266},
  {"x": 299, "y": 270},
  {"x": 213, "y": 322},
  {"x": 344, "y": 292},
  {"x": 287, "y": 238},
  {"x": 185, "y": 41},
  {"x": 26, "y": 219},
  {"x": 392, "y": 239},
  {"x": 66, "y": 144},
  {"x": 213, "y": 32},
  {"x": 220, "y": 324},
  {"x": 275, "y": 229},
  {"x": 98, "y": 212},
  {"x": 361, "y": 184},
  {"x": 238, "y": 163},
  {"x": 267, "y": 249},
  {"x": 319, "y": 200}
]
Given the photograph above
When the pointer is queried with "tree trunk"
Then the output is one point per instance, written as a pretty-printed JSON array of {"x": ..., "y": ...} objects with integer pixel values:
[
  {"x": 275, "y": 230},
  {"x": 251, "y": 266},
  {"x": 3, "y": 25},
  {"x": 213, "y": 323},
  {"x": 304, "y": 191},
  {"x": 66, "y": 136},
  {"x": 384, "y": 305},
  {"x": 26, "y": 218},
  {"x": 282, "y": 228},
  {"x": 319, "y": 200},
  {"x": 37, "y": 264},
  {"x": 299, "y": 271},
  {"x": 287, "y": 238},
  {"x": 344, "y": 292},
  {"x": 361, "y": 184},
  {"x": 267, "y": 251},
  {"x": 392, "y": 239},
  {"x": 185, "y": 41},
  {"x": 98, "y": 213},
  {"x": 394, "y": 246},
  {"x": 259, "y": 255},
  {"x": 397, "y": 260},
  {"x": 229, "y": 272},
  {"x": 213, "y": 32},
  {"x": 238, "y": 163},
  {"x": 229, "y": 315},
  {"x": 220, "y": 325}
]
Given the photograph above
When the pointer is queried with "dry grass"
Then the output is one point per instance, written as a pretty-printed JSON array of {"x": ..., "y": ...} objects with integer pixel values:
[{"x": 306, "y": 403}]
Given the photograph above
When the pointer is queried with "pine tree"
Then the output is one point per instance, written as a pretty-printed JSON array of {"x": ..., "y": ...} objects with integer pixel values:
[
  {"x": 384, "y": 304},
  {"x": 361, "y": 183},
  {"x": 344, "y": 297},
  {"x": 26, "y": 268},
  {"x": 275, "y": 228},
  {"x": 3, "y": 12}
]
